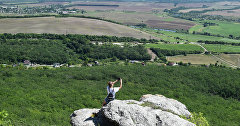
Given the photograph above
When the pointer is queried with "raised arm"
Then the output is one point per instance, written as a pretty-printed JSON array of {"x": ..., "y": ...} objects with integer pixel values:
[
  {"x": 120, "y": 84},
  {"x": 115, "y": 82}
]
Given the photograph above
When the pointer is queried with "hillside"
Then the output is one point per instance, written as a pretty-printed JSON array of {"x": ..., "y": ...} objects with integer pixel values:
[
  {"x": 48, "y": 97},
  {"x": 56, "y": 57}
]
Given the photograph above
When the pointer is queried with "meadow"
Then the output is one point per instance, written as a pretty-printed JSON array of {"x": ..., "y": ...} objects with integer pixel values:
[
  {"x": 222, "y": 28},
  {"x": 49, "y": 96},
  {"x": 185, "y": 37},
  {"x": 222, "y": 48},
  {"x": 183, "y": 47}
]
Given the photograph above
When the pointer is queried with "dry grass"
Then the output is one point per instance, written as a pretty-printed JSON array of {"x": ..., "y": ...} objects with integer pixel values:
[
  {"x": 69, "y": 25},
  {"x": 193, "y": 58},
  {"x": 170, "y": 24},
  {"x": 232, "y": 58},
  {"x": 234, "y": 13},
  {"x": 206, "y": 59},
  {"x": 127, "y": 6}
]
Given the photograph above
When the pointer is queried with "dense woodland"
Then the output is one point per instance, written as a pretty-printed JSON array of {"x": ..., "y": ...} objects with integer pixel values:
[
  {"x": 53, "y": 48},
  {"x": 49, "y": 96},
  {"x": 165, "y": 52},
  {"x": 74, "y": 37},
  {"x": 218, "y": 42}
]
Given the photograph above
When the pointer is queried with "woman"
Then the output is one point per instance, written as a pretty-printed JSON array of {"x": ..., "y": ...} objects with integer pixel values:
[{"x": 112, "y": 91}]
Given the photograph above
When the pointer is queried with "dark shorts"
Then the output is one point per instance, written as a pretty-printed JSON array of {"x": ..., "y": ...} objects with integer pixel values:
[{"x": 107, "y": 100}]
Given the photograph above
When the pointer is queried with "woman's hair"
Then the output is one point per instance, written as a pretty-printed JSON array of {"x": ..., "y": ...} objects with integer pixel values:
[{"x": 109, "y": 83}]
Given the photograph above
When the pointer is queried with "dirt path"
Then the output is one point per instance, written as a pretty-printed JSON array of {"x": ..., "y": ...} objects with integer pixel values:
[
  {"x": 204, "y": 49},
  {"x": 150, "y": 52},
  {"x": 225, "y": 61},
  {"x": 216, "y": 57}
]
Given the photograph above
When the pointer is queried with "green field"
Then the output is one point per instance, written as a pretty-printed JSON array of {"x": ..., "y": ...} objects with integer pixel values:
[
  {"x": 196, "y": 28},
  {"x": 48, "y": 97},
  {"x": 171, "y": 36},
  {"x": 222, "y": 28},
  {"x": 222, "y": 48},
  {"x": 183, "y": 47}
]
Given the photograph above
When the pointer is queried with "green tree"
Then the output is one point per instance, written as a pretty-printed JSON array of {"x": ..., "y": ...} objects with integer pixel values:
[{"x": 4, "y": 121}]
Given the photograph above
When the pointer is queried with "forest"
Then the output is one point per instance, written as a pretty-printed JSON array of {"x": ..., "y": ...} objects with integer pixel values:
[
  {"x": 218, "y": 42},
  {"x": 52, "y": 48},
  {"x": 49, "y": 96},
  {"x": 165, "y": 52}
]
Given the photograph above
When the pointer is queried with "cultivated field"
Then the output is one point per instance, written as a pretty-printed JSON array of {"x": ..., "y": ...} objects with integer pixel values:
[
  {"x": 193, "y": 5},
  {"x": 161, "y": 24},
  {"x": 194, "y": 59},
  {"x": 126, "y": 6},
  {"x": 128, "y": 13},
  {"x": 171, "y": 36},
  {"x": 159, "y": 20},
  {"x": 69, "y": 25},
  {"x": 234, "y": 13},
  {"x": 216, "y": 5},
  {"x": 183, "y": 47},
  {"x": 223, "y": 28},
  {"x": 132, "y": 13},
  {"x": 232, "y": 58},
  {"x": 222, "y": 48}
]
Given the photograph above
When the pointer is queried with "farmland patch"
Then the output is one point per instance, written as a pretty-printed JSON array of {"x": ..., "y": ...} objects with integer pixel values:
[{"x": 69, "y": 25}]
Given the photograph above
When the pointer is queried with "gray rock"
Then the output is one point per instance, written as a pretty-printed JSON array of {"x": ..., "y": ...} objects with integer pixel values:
[
  {"x": 128, "y": 114},
  {"x": 166, "y": 104},
  {"x": 146, "y": 112},
  {"x": 83, "y": 117}
]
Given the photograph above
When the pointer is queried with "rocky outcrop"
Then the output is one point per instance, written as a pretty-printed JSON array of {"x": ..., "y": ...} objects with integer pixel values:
[
  {"x": 166, "y": 104},
  {"x": 151, "y": 110}
]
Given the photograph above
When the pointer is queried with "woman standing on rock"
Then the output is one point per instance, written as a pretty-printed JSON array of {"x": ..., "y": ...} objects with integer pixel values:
[{"x": 112, "y": 91}]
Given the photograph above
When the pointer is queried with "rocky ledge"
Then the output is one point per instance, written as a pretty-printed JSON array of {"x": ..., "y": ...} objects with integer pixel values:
[{"x": 151, "y": 110}]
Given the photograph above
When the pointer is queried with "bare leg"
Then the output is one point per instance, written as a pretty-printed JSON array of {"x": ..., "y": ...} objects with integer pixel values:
[{"x": 104, "y": 103}]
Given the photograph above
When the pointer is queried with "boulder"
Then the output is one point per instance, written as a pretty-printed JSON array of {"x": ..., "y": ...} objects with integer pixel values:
[
  {"x": 166, "y": 104},
  {"x": 151, "y": 110},
  {"x": 83, "y": 117}
]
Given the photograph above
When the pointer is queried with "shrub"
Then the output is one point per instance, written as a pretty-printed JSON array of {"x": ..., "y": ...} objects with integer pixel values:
[
  {"x": 197, "y": 118},
  {"x": 4, "y": 121}
]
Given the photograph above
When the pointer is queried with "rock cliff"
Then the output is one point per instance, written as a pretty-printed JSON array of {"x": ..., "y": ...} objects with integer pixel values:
[{"x": 151, "y": 110}]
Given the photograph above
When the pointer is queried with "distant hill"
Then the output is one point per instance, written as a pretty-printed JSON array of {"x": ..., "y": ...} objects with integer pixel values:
[{"x": 164, "y": 1}]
